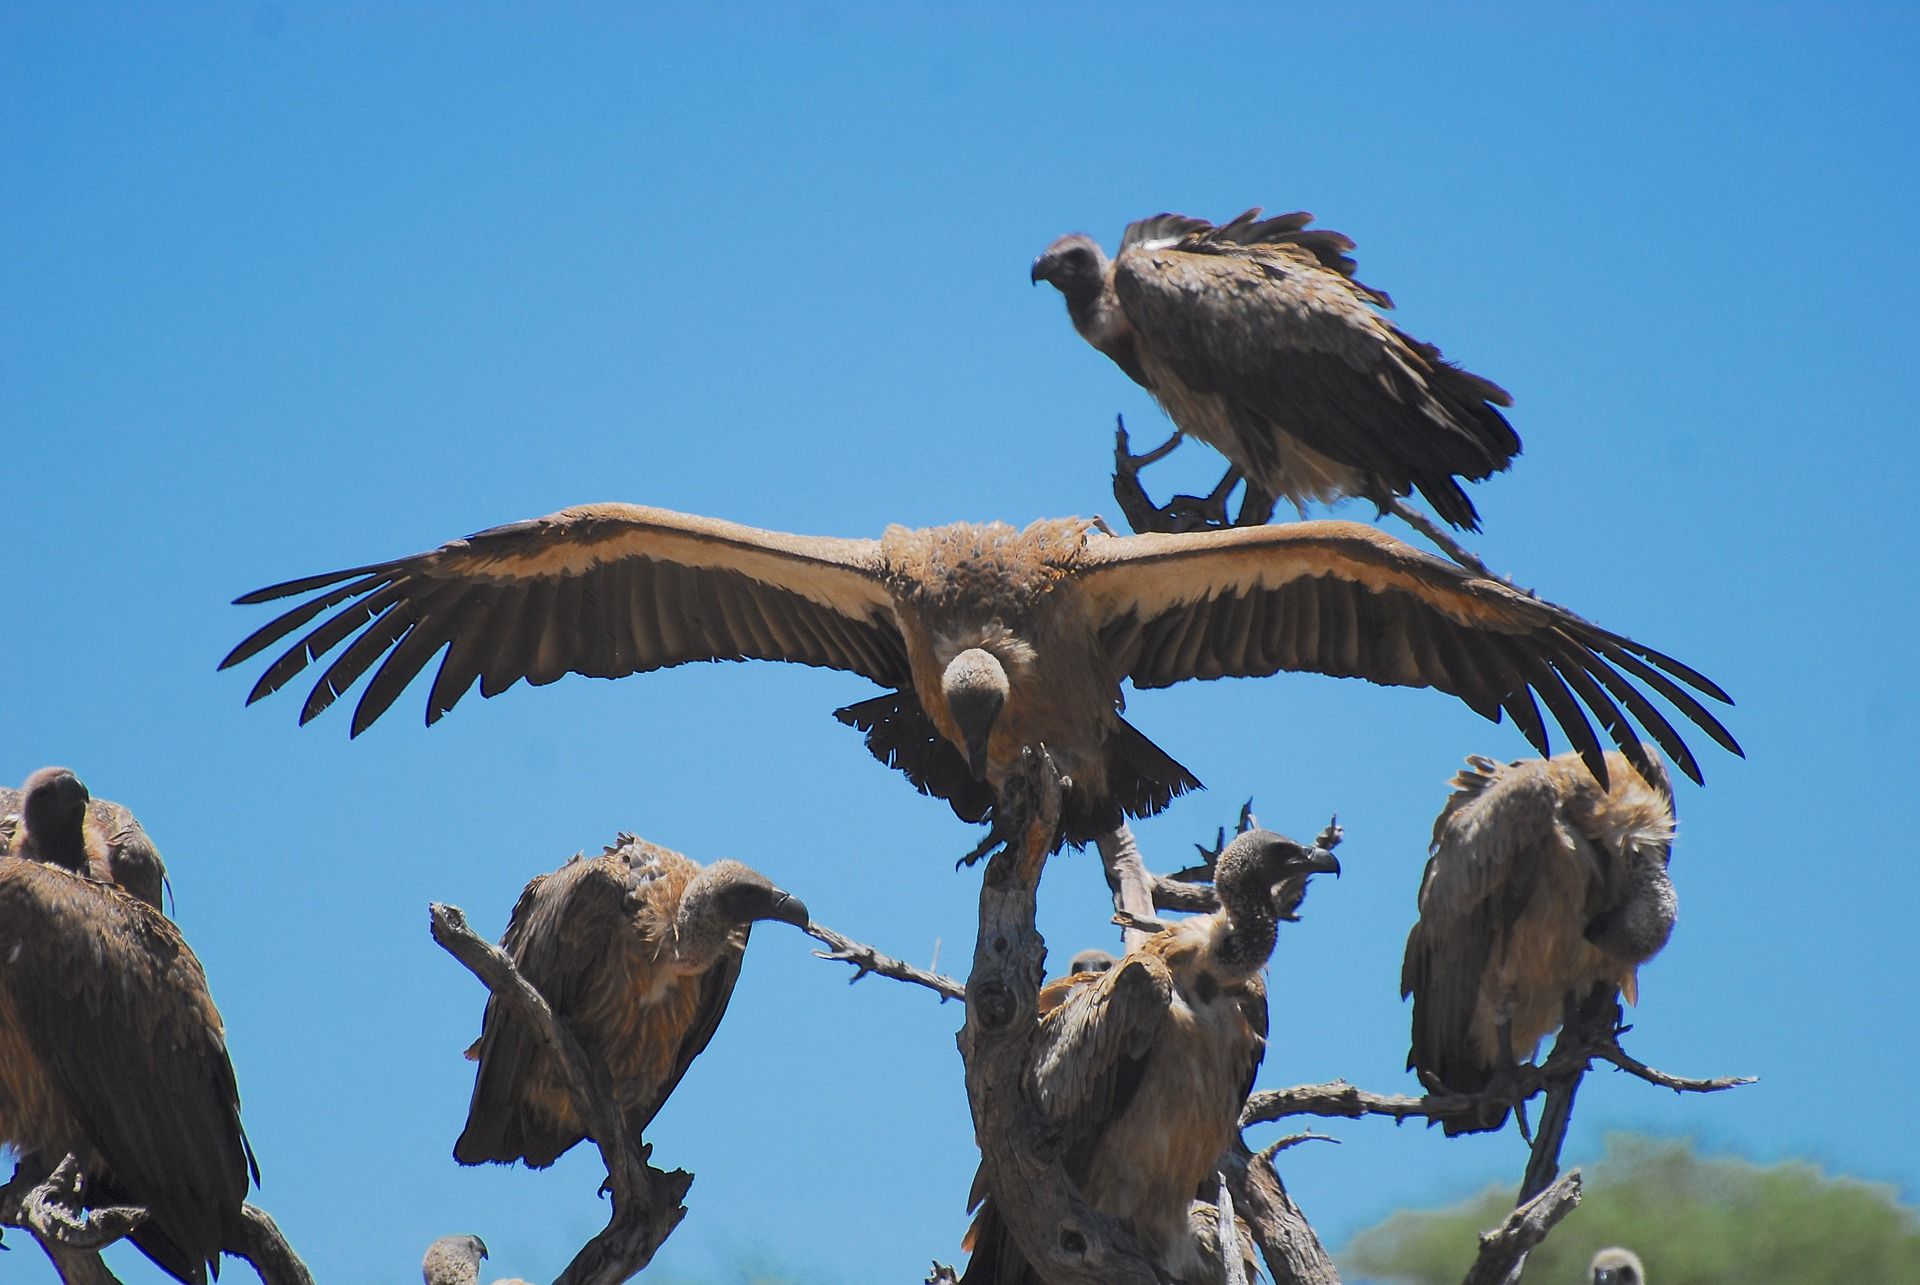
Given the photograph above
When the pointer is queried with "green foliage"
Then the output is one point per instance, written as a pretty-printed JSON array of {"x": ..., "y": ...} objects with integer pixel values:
[{"x": 1693, "y": 1220}]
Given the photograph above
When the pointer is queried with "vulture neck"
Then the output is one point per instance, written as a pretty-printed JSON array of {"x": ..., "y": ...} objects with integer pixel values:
[
  {"x": 1096, "y": 314},
  {"x": 701, "y": 931},
  {"x": 1243, "y": 946},
  {"x": 56, "y": 841}
]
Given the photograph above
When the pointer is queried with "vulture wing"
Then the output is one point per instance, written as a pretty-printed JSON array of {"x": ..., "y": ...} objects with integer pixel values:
[
  {"x": 573, "y": 936},
  {"x": 1490, "y": 845},
  {"x": 1268, "y": 316},
  {"x": 114, "y": 1005},
  {"x": 604, "y": 590},
  {"x": 1093, "y": 1048},
  {"x": 1343, "y": 599}
]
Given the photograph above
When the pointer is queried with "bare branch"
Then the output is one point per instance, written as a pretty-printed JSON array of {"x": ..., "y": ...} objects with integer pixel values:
[
  {"x": 1612, "y": 1052},
  {"x": 73, "y": 1235},
  {"x": 267, "y": 1251},
  {"x": 1504, "y": 1248},
  {"x": 1288, "y": 1246},
  {"x": 1066, "y": 1241},
  {"x": 865, "y": 959},
  {"x": 1132, "y": 886},
  {"x": 646, "y": 1202}
]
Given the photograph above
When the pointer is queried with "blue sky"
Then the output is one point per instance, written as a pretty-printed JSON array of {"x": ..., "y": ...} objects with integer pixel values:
[{"x": 297, "y": 287}]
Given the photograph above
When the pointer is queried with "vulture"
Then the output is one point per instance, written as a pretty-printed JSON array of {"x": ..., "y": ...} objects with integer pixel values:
[
  {"x": 455, "y": 1260},
  {"x": 1543, "y": 884},
  {"x": 118, "y": 849},
  {"x": 110, "y": 1047},
  {"x": 989, "y": 639},
  {"x": 1617, "y": 1266},
  {"x": 1256, "y": 338},
  {"x": 637, "y": 950},
  {"x": 1143, "y": 1068}
]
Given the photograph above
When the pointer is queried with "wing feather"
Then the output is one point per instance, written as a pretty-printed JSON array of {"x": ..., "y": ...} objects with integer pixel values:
[
  {"x": 1343, "y": 599},
  {"x": 602, "y": 590}
]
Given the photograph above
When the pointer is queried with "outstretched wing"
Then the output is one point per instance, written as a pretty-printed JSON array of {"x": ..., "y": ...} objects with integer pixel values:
[
  {"x": 1267, "y": 314},
  {"x": 1343, "y": 599},
  {"x": 116, "y": 1009},
  {"x": 603, "y": 590}
]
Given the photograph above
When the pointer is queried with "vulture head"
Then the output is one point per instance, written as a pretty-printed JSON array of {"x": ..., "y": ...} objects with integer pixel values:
[
  {"x": 722, "y": 898},
  {"x": 975, "y": 686},
  {"x": 1091, "y": 961},
  {"x": 1616, "y": 1266},
  {"x": 1077, "y": 268},
  {"x": 1261, "y": 878},
  {"x": 53, "y": 810},
  {"x": 453, "y": 1260}
]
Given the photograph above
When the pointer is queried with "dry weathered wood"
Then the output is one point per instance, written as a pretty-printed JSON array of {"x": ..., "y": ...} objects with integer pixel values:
[
  {"x": 1064, "y": 1239},
  {"x": 646, "y": 1202},
  {"x": 267, "y": 1251},
  {"x": 865, "y": 959},
  {"x": 1288, "y": 1246},
  {"x": 1503, "y": 1249},
  {"x": 72, "y": 1238},
  {"x": 1129, "y": 881}
]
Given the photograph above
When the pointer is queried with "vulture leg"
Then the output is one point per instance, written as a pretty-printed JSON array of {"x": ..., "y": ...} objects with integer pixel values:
[
  {"x": 1256, "y": 506},
  {"x": 1182, "y": 512},
  {"x": 1504, "y": 1086},
  {"x": 1440, "y": 536},
  {"x": 996, "y": 835}
]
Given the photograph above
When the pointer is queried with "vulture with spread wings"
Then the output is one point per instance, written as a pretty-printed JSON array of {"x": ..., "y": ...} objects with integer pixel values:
[
  {"x": 1256, "y": 338},
  {"x": 117, "y": 847},
  {"x": 636, "y": 950},
  {"x": 989, "y": 638},
  {"x": 111, "y": 1050},
  {"x": 1143, "y": 1068},
  {"x": 1543, "y": 884}
]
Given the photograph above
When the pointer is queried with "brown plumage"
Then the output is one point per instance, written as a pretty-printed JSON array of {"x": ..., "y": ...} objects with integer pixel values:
[
  {"x": 637, "y": 951},
  {"x": 110, "y": 1047},
  {"x": 118, "y": 849},
  {"x": 1542, "y": 885},
  {"x": 991, "y": 639},
  {"x": 1256, "y": 338},
  {"x": 1143, "y": 1069}
]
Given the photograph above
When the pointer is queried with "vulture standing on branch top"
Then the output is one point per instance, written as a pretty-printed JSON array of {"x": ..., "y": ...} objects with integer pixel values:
[
  {"x": 1143, "y": 1069},
  {"x": 118, "y": 849},
  {"x": 992, "y": 639},
  {"x": 1256, "y": 338},
  {"x": 636, "y": 950},
  {"x": 110, "y": 1047},
  {"x": 1542, "y": 885}
]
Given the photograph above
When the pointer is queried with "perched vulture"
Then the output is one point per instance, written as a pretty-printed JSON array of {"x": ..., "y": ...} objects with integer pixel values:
[
  {"x": 991, "y": 639},
  {"x": 1543, "y": 884},
  {"x": 1091, "y": 961},
  {"x": 1143, "y": 1068},
  {"x": 1256, "y": 338},
  {"x": 110, "y": 1047},
  {"x": 637, "y": 951},
  {"x": 1616, "y": 1266},
  {"x": 118, "y": 849},
  {"x": 455, "y": 1260}
]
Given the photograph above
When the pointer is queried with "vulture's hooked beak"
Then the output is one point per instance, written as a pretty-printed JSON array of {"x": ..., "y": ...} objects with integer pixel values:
[
  {"x": 788, "y": 909},
  {"x": 1316, "y": 861},
  {"x": 977, "y": 753},
  {"x": 1036, "y": 276}
]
